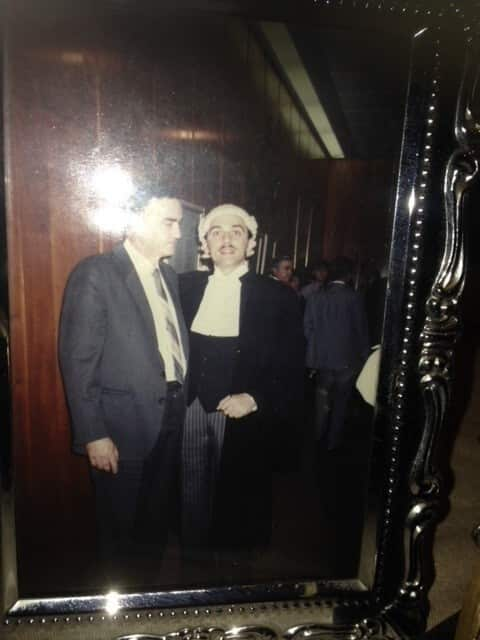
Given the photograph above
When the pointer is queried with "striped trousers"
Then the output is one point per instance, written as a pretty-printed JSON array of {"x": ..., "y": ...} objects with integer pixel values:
[{"x": 201, "y": 453}]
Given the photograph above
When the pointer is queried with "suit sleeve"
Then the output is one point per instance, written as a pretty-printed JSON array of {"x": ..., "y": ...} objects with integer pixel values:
[
  {"x": 290, "y": 360},
  {"x": 83, "y": 325},
  {"x": 285, "y": 433}
]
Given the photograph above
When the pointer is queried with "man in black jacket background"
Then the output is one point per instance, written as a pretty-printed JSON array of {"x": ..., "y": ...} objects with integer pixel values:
[{"x": 337, "y": 346}]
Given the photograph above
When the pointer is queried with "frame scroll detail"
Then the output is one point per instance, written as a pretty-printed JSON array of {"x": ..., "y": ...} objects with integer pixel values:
[{"x": 442, "y": 327}]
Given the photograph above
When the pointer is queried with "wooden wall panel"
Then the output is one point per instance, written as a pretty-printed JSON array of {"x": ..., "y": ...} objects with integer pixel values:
[
  {"x": 47, "y": 220},
  {"x": 357, "y": 213}
]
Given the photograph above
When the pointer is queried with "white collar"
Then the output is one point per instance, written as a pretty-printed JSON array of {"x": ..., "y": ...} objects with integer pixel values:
[
  {"x": 143, "y": 263},
  {"x": 236, "y": 274}
]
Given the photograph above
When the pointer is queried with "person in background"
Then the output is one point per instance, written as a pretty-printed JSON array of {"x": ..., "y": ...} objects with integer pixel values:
[
  {"x": 282, "y": 269},
  {"x": 337, "y": 347},
  {"x": 319, "y": 278}
]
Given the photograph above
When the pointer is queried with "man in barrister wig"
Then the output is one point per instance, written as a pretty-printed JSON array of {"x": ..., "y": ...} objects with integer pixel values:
[{"x": 245, "y": 388}]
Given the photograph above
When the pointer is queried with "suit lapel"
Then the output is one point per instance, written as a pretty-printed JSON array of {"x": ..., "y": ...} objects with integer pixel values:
[
  {"x": 192, "y": 288},
  {"x": 135, "y": 288},
  {"x": 246, "y": 293}
]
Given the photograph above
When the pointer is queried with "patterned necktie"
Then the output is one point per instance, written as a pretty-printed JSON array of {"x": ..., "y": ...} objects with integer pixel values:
[{"x": 171, "y": 329}]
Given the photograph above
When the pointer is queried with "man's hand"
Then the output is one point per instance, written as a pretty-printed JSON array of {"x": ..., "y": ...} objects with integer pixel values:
[
  {"x": 103, "y": 455},
  {"x": 238, "y": 405}
]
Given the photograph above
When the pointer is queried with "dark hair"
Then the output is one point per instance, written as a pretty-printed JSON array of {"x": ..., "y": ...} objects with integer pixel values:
[
  {"x": 341, "y": 269},
  {"x": 276, "y": 262},
  {"x": 144, "y": 193}
]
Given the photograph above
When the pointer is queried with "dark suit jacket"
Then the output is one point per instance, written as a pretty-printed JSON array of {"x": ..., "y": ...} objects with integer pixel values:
[
  {"x": 336, "y": 329},
  {"x": 113, "y": 373}
]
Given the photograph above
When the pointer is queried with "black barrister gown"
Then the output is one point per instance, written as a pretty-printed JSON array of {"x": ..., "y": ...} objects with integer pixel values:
[{"x": 269, "y": 365}]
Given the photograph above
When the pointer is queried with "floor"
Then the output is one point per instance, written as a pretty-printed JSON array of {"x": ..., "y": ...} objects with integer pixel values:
[
  {"x": 454, "y": 550},
  {"x": 326, "y": 489}
]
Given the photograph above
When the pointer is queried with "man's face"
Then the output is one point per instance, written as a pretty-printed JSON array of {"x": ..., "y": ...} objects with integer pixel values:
[
  {"x": 320, "y": 275},
  {"x": 284, "y": 270},
  {"x": 161, "y": 228},
  {"x": 228, "y": 241}
]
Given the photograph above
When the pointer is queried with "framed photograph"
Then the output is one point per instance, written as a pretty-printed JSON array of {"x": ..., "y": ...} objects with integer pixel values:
[{"x": 310, "y": 146}]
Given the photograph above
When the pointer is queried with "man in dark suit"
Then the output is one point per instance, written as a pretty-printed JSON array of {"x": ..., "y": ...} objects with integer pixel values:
[
  {"x": 245, "y": 387},
  {"x": 123, "y": 351},
  {"x": 282, "y": 269},
  {"x": 337, "y": 346}
]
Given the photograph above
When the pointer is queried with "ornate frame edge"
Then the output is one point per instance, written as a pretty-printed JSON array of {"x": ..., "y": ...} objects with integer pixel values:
[{"x": 440, "y": 332}]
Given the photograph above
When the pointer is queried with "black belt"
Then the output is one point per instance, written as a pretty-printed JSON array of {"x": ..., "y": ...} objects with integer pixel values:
[{"x": 174, "y": 386}]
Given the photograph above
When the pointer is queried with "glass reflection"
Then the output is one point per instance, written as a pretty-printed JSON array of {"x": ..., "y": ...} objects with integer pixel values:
[
  {"x": 112, "y": 184},
  {"x": 112, "y": 187}
]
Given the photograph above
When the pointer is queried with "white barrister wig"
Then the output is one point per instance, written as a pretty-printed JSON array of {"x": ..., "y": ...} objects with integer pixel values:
[{"x": 206, "y": 222}]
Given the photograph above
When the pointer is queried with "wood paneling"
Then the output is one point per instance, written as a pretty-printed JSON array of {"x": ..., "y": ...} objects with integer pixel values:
[{"x": 357, "y": 214}]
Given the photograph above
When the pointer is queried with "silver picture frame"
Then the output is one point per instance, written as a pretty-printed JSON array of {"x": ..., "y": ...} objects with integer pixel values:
[{"x": 437, "y": 161}]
